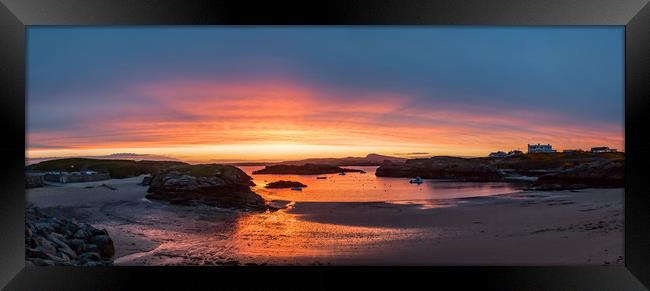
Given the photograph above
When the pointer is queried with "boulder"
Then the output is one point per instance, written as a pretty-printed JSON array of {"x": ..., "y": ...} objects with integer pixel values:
[
  {"x": 104, "y": 244},
  {"x": 77, "y": 245},
  {"x": 44, "y": 227},
  {"x": 82, "y": 233},
  {"x": 36, "y": 252},
  {"x": 212, "y": 184},
  {"x": 284, "y": 184},
  {"x": 91, "y": 248},
  {"x": 90, "y": 256},
  {"x": 40, "y": 262},
  {"x": 95, "y": 231},
  {"x": 45, "y": 244}
]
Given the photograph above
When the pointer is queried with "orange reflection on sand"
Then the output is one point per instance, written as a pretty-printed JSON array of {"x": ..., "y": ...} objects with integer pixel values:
[{"x": 281, "y": 237}]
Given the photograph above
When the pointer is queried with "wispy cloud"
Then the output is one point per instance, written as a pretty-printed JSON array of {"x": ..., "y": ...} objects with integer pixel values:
[
  {"x": 205, "y": 94},
  {"x": 283, "y": 112}
]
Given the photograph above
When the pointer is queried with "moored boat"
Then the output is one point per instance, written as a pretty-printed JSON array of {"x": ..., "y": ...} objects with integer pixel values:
[{"x": 417, "y": 180}]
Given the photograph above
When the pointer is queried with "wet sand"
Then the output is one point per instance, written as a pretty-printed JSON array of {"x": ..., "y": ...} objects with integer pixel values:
[{"x": 525, "y": 228}]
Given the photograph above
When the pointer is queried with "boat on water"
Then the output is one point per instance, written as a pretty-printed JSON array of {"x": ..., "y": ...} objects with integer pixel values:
[
  {"x": 417, "y": 180},
  {"x": 321, "y": 178},
  {"x": 342, "y": 174},
  {"x": 296, "y": 188}
]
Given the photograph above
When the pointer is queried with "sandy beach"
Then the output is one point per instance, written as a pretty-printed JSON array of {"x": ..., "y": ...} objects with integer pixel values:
[{"x": 524, "y": 228}]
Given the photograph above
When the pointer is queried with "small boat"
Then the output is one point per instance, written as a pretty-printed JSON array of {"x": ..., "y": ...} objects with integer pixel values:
[
  {"x": 417, "y": 180},
  {"x": 297, "y": 188},
  {"x": 321, "y": 178},
  {"x": 342, "y": 174}
]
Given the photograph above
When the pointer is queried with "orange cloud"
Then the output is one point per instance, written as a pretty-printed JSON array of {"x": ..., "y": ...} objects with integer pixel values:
[{"x": 283, "y": 119}]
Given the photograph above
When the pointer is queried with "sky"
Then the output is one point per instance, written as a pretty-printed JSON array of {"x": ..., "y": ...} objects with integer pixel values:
[{"x": 276, "y": 93}]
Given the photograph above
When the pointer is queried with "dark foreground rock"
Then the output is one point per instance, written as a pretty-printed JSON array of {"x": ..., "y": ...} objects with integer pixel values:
[
  {"x": 606, "y": 174},
  {"x": 442, "y": 167},
  {"x": 52, "y": 241},
  {"x": 306, "y": 169},
  {"x": 284, "y": 184},
  {"x": 211, "y": 184}
]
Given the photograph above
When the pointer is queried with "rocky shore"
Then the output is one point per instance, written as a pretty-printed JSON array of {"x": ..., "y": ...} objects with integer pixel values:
[
  {"x": 52, "y": 241},
  {"x": 211, "y": 184},
  {"x": 548, "y": 171},
  {"x": 602, "y": 174},
  {"x": 442, "y": 167},
  {"x": 306, "y": 169}
]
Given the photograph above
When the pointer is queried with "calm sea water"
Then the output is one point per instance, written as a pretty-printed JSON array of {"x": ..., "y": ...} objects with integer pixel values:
[{"x": 358, "y": 187}]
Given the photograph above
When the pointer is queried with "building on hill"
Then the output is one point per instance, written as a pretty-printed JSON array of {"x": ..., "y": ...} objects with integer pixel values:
[
  {"x": 602, "y": 150},
  {"x": 540, "y": 148},
  {"x": 515, "y": 153}
]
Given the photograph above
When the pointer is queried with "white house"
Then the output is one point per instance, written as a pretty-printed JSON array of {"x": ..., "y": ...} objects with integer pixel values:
[{"x": 540, "y": 148}]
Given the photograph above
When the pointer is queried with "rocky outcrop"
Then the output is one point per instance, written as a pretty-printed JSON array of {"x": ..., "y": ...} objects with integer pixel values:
[
  {"x": 546, "y": 171},
  {"x": 442, "y": 167},
  {"x": 607, "y": 173},
  {"x": 306, "y": 169},
  {"x": 51, "y": 241},
  {"x": 211, "y": 184},
  {"x": 284, "y": 184},
  {"x": 369, "y": 160}
]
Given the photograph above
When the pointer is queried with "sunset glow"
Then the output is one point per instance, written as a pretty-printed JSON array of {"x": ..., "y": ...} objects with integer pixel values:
[{"x": 202, "y": 117}]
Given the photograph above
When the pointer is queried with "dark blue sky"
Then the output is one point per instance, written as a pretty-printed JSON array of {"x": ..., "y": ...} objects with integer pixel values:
[
  {"x": 570, "y": 70},
  {"x": 575, "y": 73}
]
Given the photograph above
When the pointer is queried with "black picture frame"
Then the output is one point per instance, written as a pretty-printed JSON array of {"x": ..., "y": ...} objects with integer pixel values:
[{"x": 15, "y": 15}]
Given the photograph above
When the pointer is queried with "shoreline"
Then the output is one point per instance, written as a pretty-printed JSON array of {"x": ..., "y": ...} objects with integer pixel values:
[{"x": 568, "y": 227}]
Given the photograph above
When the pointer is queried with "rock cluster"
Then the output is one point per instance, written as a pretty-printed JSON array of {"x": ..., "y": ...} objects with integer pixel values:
[
  {"x": 442, "y": 167},
  {"x": 306, "y": 169},
  {"x": 284, "y": 184},
  {"x": 51, "y": 241},
  {"x": 211, "y": 184}
]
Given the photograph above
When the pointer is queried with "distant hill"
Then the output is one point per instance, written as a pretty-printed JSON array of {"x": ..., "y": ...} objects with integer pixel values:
[
  {"x": 369, "y": 160},
  {"x": 116, "y": 168},
  {"x": 306, "y": 169},
  {"x": 116, "y": 156}
]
